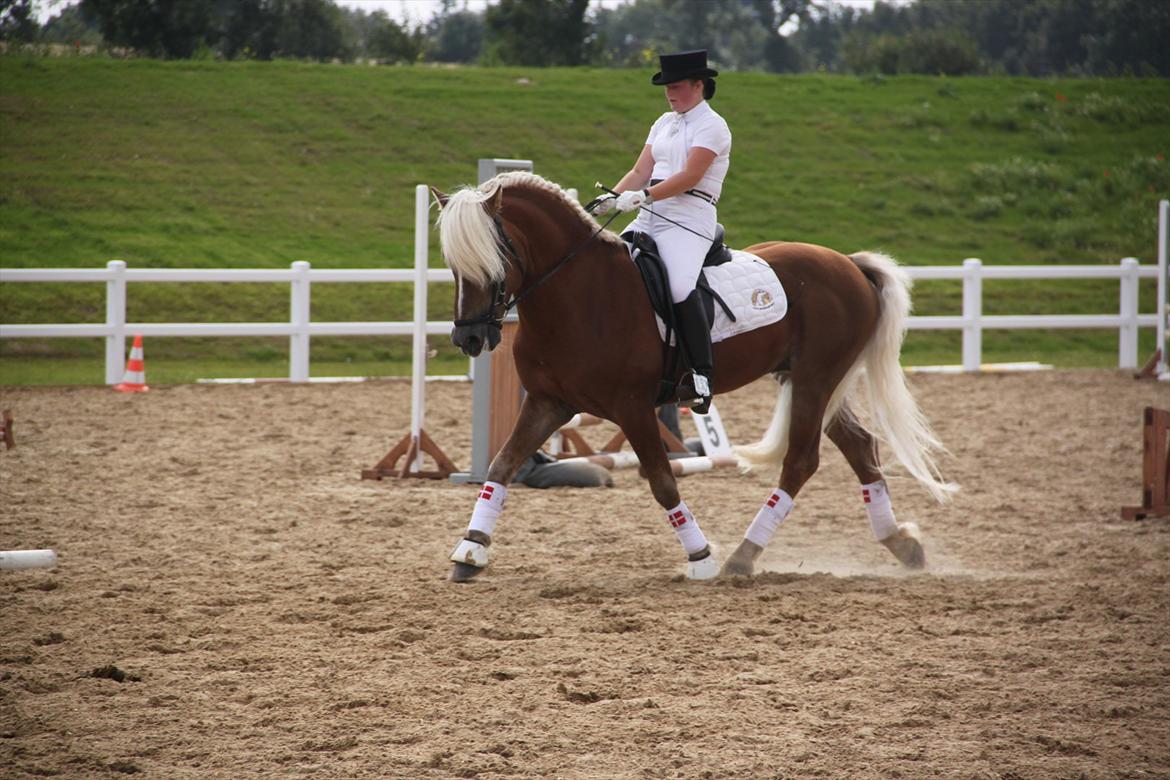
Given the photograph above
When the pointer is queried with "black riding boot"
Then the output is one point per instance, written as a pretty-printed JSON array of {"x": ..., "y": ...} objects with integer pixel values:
[{"x": 695, "y": 335}]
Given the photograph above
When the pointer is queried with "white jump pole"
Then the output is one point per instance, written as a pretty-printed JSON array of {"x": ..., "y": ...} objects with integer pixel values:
[
  {"x": 679, "y": 466},
  {"x": 418, "y": 374},
  {"x": 683, "y": 466},
  {"x": 27, "y": 559},
  {"x": 581, "y": 420}
]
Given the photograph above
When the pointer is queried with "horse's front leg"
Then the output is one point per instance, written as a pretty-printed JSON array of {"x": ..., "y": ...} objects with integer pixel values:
[
  {"x": 641, "y": 429},
  {"x": 539, "y": 418}
]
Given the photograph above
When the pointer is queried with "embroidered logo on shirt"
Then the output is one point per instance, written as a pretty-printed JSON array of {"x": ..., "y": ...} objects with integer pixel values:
[{"x": 762, "y": 299}]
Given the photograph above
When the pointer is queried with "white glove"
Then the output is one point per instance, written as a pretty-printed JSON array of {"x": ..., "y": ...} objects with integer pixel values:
[
  {"x": 604, "y": 205},
  {"x": 632, "y": 200}
]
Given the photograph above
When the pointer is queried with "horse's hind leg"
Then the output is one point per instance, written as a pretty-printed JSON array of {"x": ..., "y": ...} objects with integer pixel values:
[
  {"x": 641, "y": 429},
  {"x": 809, "y": 401},
  {"x": 860, "y": 449},
  {"x": 539, "y": 418}
]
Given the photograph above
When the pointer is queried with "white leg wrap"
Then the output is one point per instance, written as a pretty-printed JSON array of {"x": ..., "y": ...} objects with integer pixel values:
[
  {"x": 881, "y": 513},
  {"x": 687, "y": 528},
  {"x": 488, "y": 507},
  {"x": 769, "y": 518}
]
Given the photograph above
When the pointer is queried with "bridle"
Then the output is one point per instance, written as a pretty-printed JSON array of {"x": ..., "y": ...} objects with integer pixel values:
[{"x": 499, "y": 289}]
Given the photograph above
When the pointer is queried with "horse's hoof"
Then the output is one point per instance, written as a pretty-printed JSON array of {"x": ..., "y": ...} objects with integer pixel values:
[
  {"x": 737, "y": 568},
  {"x": 470, "y": 556},
  {"x": 906, "y": 546},
  {"x": 464, "y": 572},
  {"x": 742, "y": 562}
]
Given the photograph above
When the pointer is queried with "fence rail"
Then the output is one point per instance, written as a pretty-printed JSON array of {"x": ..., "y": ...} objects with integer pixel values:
[
  {"x": 972, "y": 322},
  {"x": 300, "y": 277}
]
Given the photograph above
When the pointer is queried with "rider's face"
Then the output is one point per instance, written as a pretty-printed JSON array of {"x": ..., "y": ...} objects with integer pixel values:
[{"x": 684, "y": 95}]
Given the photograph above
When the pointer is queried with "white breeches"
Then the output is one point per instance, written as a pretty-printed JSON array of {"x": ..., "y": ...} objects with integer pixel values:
[{"x": 682, "y": 251}]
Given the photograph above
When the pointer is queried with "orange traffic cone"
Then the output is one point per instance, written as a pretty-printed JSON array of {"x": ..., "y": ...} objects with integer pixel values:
[{"x": 134, "y": 380}]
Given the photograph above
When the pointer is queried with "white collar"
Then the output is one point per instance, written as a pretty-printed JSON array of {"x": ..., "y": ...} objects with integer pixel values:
[{"x": 698, "y": 111}]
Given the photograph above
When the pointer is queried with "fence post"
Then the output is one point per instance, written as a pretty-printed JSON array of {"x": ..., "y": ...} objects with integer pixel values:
[
  {"x": 116, "y": 321},
  {"x": 1127, "y": 334},
  {"x": 1163, "y": 302},
  {"x": 972, "y": 314},
  {"x": 299, "y": 306}
]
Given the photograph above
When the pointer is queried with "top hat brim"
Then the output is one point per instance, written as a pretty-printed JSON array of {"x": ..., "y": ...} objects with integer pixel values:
[{"x": 659, "y": 78}]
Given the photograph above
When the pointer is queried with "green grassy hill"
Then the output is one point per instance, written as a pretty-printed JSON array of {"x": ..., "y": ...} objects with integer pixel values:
[{"x": 207, "y": 164}]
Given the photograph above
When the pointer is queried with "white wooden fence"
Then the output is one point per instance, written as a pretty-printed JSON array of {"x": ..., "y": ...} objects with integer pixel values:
[{"x": 300, "y": 329}]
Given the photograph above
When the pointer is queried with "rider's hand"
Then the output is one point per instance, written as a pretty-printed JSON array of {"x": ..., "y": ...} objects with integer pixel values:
[
  {"x": 632, "y": 200},
  {"x": 603, "y": 205}
]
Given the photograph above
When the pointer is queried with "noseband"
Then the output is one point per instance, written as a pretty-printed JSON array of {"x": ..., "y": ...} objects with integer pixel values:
[{"x": 499, "y": 290}]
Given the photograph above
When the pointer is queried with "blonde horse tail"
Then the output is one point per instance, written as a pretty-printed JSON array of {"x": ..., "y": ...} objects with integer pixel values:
[
  {"x": 895, "y": 417},
  {"x": 770, "y": 450}
]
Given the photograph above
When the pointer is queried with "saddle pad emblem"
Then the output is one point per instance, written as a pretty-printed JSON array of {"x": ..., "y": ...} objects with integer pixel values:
[{"x": 762, "y": 299}]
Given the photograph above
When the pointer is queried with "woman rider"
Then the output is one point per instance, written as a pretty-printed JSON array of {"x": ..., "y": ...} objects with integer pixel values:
[{"x": 680, "y": 171}]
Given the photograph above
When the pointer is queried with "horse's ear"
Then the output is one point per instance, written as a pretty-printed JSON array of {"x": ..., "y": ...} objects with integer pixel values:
[
  {"x": 440, "y": 197},
  {"x": 496, "y": 201}
]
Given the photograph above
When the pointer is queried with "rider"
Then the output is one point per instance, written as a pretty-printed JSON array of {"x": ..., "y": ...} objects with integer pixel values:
[{"x": 680, "y": 174}]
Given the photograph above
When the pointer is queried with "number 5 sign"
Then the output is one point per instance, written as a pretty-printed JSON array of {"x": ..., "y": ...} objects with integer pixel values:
[{"x": 711, "y": 433}]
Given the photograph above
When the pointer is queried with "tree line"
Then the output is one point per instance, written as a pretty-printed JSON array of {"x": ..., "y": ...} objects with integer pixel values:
[{"x": 953, "y": 37}]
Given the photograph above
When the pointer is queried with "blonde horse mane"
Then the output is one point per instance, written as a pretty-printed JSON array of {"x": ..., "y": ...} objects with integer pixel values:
[{"x": 468, "y": 236}]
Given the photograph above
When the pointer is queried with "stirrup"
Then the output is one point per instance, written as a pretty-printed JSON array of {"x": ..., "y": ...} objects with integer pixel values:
[
  {"x": 701, "y": 405},
  {"x": 695, "y": 393}
]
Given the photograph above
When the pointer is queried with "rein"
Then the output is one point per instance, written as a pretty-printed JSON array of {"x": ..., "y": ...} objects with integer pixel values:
[
  {"x": 499, "y": 291},
  {"x": 654, "y": 213}
]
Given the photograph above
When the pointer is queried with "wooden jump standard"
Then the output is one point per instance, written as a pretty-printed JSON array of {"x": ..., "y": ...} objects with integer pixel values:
[{"x": 1155, "y": 467}]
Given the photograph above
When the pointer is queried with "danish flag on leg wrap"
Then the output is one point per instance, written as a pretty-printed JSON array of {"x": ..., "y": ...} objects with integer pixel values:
[
  {"x": 488, "y": 507},
  {"x": 686, "y": 527}
]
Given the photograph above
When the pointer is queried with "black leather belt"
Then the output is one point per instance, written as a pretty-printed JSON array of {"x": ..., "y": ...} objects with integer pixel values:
[{"x": 697, "y": 193}]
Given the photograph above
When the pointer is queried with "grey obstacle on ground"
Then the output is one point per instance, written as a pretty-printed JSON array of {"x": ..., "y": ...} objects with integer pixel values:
[{"x": 545, "y": 471}]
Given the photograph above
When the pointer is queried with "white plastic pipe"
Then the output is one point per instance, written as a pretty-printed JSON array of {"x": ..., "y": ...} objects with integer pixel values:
[{"x": 27, "y": 559}]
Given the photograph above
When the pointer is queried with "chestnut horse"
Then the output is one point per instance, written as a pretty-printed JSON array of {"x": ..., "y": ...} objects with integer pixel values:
[{"x": 587, "y": 342}]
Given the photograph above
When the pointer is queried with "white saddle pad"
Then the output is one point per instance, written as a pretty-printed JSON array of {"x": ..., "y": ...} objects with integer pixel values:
[{"x": 750, "y": 288}]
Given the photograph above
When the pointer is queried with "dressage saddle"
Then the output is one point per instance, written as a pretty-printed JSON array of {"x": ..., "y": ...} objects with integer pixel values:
[{"x": 644, "y": 251}]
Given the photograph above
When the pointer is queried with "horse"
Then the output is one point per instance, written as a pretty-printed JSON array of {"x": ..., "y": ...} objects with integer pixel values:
[{"x": 587, "y": 342}]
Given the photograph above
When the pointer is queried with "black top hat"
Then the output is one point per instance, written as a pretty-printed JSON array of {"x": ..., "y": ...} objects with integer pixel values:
[{"x": 682, "y": 65}]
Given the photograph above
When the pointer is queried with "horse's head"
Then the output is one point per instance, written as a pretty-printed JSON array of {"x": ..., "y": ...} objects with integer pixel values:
[
  {"x": 479, "y": 251},
  {"x": 483, "y": 231}
]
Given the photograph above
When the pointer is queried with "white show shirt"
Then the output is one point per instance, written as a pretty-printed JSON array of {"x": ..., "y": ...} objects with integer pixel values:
[{"x": 673, "y": 136}]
